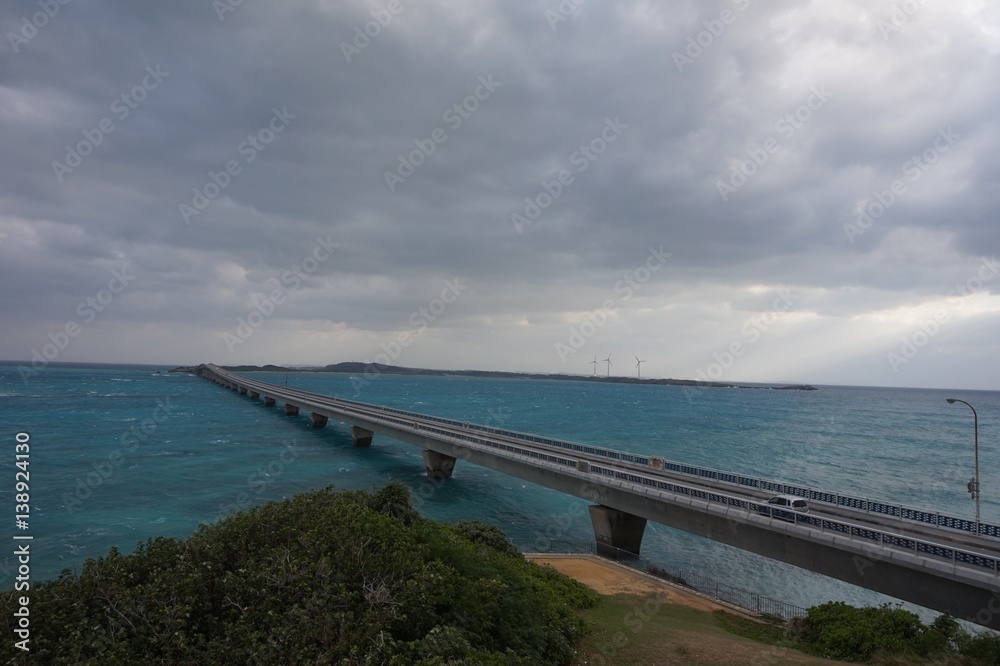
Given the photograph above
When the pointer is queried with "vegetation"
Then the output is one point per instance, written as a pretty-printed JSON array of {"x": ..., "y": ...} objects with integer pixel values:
[
  {"x": 838, "y": 631},
  {"x": 356, "y": 578},
  {"x": 655, "y": 570},
  {"x": 644, "y": 629},
  {"x": 323, "y": 578},
  {"x": 769, "y": 632}
]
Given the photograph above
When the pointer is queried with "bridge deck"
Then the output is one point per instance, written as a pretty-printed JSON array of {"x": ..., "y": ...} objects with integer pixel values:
[{"x": 724, "y": 506}]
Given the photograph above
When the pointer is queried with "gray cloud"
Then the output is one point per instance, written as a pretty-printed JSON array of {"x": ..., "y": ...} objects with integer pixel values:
[{"x": 703, "y": 95}]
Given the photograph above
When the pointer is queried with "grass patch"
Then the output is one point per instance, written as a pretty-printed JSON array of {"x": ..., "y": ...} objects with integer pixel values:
[
  {"x": 767, "y": 632},
  {"x": 643, "y": 629}
]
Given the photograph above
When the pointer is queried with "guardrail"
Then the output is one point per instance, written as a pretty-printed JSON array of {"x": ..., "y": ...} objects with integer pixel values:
[
  {"x": 936, "y": 518},
  {"x": 612, "y": 454},
  {"x": 913, "y": 514},
  {"x": 917, "y": 546},
  {"x": 394, "y": 416}
]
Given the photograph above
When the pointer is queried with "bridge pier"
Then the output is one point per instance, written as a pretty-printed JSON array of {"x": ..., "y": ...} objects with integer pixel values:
[
  {"x": 913, "y": 565},
  {"x": 318, "y": 420},
  {"x": 361, "y": 436},
  {"x": 616, "y": 530},
  {"x": 243, "y": 390},
  {"x": 438, "y": 465},
  {"x": 254, "y": 395},
  {"x": 268, "y": 402}
]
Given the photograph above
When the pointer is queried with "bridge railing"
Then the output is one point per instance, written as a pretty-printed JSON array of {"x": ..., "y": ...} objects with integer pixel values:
[
  {"x": 926, "y": 516},
  {"x": 903, "y": 512},
  {"x": 409, "y": 423},
  {"x": 888, "y": 539},
  {"x": 935, "y": 518},
  {"x": 611, "y": 454}
]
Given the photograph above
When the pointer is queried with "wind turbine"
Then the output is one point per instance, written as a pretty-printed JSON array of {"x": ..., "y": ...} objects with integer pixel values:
[
  {"x": 608, "y": 361},
  {"x": 594, "y": 363},
  {"x": 638, "y": 368}
]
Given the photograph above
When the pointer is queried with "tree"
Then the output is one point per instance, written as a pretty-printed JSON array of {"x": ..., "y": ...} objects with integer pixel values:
[{"x": 323, "y": 577}]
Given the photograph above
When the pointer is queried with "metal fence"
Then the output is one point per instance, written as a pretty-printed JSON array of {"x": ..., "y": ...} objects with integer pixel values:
[
  {"x": 883, "y": 538},
  {"x": 658, "y": 463},
  {"x": 648, "y": 478},
  {"x": 904, "y": 512},
  {"x": 751, "y": 601}
]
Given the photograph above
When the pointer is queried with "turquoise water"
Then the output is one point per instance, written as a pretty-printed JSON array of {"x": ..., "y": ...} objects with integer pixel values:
[{"x": 98, "y": 479}]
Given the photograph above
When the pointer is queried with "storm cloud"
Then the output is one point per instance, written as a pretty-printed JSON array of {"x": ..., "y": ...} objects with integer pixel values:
[{"x": 746, "y": 191}]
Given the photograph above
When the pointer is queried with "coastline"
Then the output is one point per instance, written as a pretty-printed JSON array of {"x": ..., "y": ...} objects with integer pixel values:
[{"x": 356, "y": 367}]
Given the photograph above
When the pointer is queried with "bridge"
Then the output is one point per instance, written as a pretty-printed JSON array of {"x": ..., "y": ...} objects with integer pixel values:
[{"x": 933, "y": 559}]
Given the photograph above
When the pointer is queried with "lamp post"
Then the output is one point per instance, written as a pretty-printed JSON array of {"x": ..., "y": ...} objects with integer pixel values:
[{"x": 974, "y": 484}]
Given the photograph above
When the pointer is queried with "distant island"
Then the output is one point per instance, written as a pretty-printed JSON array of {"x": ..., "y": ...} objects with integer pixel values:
[{"x": 359, "y": 368}]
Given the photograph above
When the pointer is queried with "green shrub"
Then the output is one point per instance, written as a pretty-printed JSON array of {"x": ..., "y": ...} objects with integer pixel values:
[
  {"x": 477, "y": 531},
  {"x": 985, "y": 649},
  {"x": 393, "y": 499},
  {"x": 324, "y": 577},
  {"x": 838, "y": 631}
]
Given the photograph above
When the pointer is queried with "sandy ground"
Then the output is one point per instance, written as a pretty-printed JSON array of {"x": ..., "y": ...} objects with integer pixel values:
[
  {"x": 677, "y": 647},
  {"x": 605, "y": 577}
]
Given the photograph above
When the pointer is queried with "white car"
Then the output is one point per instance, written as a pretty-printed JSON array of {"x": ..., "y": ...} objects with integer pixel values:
[{"x": 791, "y": 502}]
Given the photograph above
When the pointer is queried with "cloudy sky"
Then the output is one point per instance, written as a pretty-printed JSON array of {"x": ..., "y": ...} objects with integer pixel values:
[{"x": 736, "y": 190}]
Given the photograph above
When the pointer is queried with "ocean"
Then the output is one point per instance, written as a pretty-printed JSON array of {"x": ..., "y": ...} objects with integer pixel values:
[{"x": 120, "y": 454}]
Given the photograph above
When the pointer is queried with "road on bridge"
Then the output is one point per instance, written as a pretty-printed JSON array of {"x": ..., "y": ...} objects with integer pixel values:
[
  {"x": 938, "y": 565},
  {"x": 755, "y": 499}
]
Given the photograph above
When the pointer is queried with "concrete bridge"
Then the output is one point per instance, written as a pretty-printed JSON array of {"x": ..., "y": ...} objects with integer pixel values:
[{"x": 939, "y": 561}]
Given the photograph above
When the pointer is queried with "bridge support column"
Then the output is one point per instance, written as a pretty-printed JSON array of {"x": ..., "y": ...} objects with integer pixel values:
[
  {"x": 616, "y": 530},
  {"x": 291, "y": 410},
  {"x": 268, "y": 402},
  {"x": 232, "y": 387},
  {"x": 319, "y": 421},
  {"x": 243, "y": 390},
  {"x": 361, "y": 436},
  {"x": 254, "y": 395},
  {"x": 438, "y": 465}
]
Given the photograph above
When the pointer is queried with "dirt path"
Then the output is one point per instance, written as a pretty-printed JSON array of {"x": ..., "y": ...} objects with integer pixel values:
[{"x": 605, "y": 577}]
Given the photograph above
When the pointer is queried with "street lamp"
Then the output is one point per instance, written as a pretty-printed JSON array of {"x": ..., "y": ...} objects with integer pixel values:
[{"x": 974, "y": 483}]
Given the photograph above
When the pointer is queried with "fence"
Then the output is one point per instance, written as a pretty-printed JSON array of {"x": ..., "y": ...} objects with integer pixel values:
[
  {"x": 751, "y": 601},
  {"x": 649, "y": 478},
  {"x": 658, "y": 463}
]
